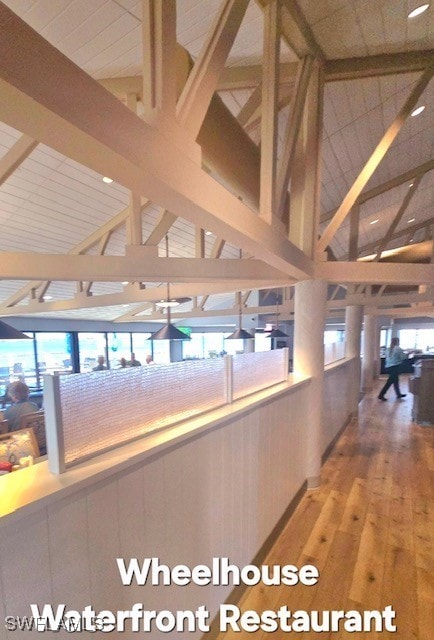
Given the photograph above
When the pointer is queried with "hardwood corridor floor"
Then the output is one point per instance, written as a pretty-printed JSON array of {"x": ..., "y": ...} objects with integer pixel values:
[{"x": 369, "y": 529}]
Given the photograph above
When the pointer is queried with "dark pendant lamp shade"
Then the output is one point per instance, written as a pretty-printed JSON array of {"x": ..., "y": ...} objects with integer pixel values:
[
  {"x": 277, "y": 333},
  {"x": 239, "y": 334},
  {"x": 169, "y": 332},
  {"x": 9, "y": 333}
]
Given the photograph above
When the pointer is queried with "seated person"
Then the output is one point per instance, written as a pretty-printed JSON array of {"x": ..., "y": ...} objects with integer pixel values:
[
  {"x": 101, "y": 366},
  {"x": 19, "y": 393},
  {"x": 134, "y": 362}
]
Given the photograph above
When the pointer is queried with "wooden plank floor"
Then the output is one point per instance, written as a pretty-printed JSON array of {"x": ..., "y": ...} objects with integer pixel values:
[{"x": 369, "y": 528}]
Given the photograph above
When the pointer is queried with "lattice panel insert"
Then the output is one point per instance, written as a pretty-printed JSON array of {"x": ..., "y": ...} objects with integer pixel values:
[
  {"x": 255, "y": 371},
  {"x": 107, "y": 408}
]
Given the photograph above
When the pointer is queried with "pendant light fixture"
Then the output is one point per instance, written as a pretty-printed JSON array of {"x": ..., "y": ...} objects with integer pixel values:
[
  {"x": 169, "y": 331},
  {"x": 239, "y": 334},
  {"x": 277, "y": 333}
]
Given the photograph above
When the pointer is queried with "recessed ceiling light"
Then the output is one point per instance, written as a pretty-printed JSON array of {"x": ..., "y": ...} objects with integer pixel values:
[
  {"x": 418, "y": 10},
  {"x": 125, "y": 283},
  {"x": 411, "y": 220},
  {"x": 411, "y": 184},
  {"x": 417, "y": 111},
  {"x": 412, "y": 240},
  {"x": 208, "y": 233},
  {"x": 48, "y": 297},
  {"x": 107, "y": 180},
  {"x": 374, "y": 221}
]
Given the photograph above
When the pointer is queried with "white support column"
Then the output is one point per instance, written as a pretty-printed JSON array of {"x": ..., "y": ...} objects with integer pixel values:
[
  {"x": 353, "y": 339},
  {"x": 309, "y": 321},
  {"x": 369, "y": 324},
  {"x": 377, "y": 358}
]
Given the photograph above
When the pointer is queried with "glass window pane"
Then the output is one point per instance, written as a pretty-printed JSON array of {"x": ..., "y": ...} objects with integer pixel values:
[
  {"x": 161, "y": 350},
  {"x": 17, "y": 359},
  {"x": 119, "y": 346},
  {"x": 213, "y": 344},
  {"x": 54, "y": 353},
  {"x": 142, "y": 347},
  {"x": 193, "y": 349},
  {"x": 233, "y": 347},
  {"x": 91, "y": 346}
]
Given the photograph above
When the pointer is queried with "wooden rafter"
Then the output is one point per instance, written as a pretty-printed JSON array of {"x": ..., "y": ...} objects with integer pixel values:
[
  {"x": 410, "y": 230},
  {"x": 374, "y": 272},
  {"x": 379, "y": 65},
  {"x": 375, "y": 159},
  {"x": 397, "y": 219},
  {"x": 16, "y": 156},
  {"x": 292, "y": 131},
  {"x": 159, "y": 57},
  {"x": 140, "y": 263},
  {"x": 297, "y": 31},
  {"x": 249, "y": 76},
  {"x": 269, "y": 122},
  {"x": 387, "y": 186},
  {"x": 202, "y": 81},
  {"x": 105, "y": 136}
]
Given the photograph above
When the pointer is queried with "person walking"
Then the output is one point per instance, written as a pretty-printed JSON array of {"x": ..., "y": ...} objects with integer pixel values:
[{"x": 394, "y": 357}]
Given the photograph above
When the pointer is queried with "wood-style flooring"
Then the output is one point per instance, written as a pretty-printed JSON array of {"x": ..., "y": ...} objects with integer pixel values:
[{"x": 369, "y": 528}]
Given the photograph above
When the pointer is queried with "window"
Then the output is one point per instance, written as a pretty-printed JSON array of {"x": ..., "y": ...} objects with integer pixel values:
[
  {"x": 91, "y": 346},
  {"x": 54, "y": 353},
  {"x": 161, "y": 350},
  {"x": 17, "y": 359},
  {"x": 119, "y": 346},
  {"x": 142, "y": 347}
]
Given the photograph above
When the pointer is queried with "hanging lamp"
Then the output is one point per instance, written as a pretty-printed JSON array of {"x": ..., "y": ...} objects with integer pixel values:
[
  {"x": 277, "y": 333},
  {"x": 169, "y": 331},
  {"x": 239, "y": 334}
]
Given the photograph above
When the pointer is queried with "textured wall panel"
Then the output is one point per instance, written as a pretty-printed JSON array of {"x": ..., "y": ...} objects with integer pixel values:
[
  {"x": 106, "y": 408},
  {"x": 254, "y": 371}
]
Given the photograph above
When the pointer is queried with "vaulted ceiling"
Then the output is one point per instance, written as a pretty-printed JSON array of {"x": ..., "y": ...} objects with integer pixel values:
[{"x": 53, "y": 200}]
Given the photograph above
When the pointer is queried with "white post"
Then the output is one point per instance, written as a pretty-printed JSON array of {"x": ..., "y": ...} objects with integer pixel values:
[
  {"x": 229, "y": 387},
  {"x": 309, "y": 321},
  {"x": 369, "y": 323},
  {"x": 353, "y": 340},
  {"x": 53, "y": 424}
]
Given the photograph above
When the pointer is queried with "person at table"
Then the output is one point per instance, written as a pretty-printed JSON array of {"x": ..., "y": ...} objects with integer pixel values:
[
  {"x": 134, "y": 362},
  {"x": 19, "y": 394},
  {"x": 101, "y": 366}
]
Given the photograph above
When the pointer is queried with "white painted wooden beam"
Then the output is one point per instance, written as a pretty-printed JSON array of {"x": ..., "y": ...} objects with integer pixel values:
[
  {"x": 195, "y": 313},
  {"x": 269, "y": 122},
  {"x": 375, "y": 159},
  {"x": 297, "y": 32},
  {"x": 159, "y": 58},
  {"x": 397, "y": 219},
  {"x": 140, "y": 264},
  {"x": 375, "y": 272},
  {"x": 249, "y": 76},
  {"x": 379, "y": 65},
  {"x": 202, "y": 81},
  {"x": 131, "y": 295},
  {"x": 134, "y": 226},
  {"x": 45, "y": 94},
  {"x": 16, "y": 156},
  {"x": 292, "y": 131},
  {"x": 387, "y": 186}
]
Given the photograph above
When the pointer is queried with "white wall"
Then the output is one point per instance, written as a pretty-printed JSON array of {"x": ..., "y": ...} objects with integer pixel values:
[
  {"x": 338, "y": 380},
  {"x": 219, "y": 494}
]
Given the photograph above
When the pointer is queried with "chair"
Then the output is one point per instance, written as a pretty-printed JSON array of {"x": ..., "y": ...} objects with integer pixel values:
[
  {"x": 18, "y": 444},
  {"x": 36, "y": 422}
]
